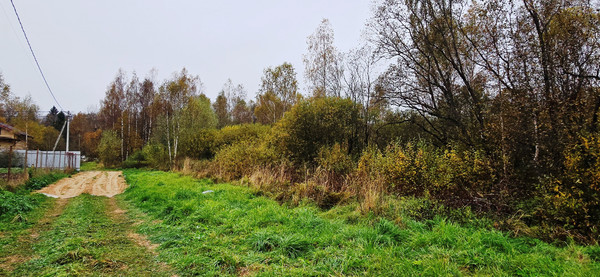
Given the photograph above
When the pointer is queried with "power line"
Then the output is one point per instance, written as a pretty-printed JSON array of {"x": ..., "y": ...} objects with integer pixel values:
[{"x": 34, "y": 57}]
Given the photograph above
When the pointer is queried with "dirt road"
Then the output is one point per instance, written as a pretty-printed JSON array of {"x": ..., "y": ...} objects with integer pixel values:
[{"x": 100, "y": 183}]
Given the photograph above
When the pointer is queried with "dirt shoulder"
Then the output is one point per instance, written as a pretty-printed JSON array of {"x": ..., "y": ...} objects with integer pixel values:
[{"x": 99, "y": 183}]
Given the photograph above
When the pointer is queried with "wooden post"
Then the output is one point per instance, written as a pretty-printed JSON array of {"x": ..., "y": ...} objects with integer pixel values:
[
  {"x": 10, "y": 150},
  {"x": 37, "y": 154}
]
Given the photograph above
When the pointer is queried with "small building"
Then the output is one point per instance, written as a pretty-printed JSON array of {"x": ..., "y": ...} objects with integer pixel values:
[{"x": 10, "y": 136}]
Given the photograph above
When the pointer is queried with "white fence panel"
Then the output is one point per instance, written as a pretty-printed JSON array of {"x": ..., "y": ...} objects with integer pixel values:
[{"x": 51, "y": 159}]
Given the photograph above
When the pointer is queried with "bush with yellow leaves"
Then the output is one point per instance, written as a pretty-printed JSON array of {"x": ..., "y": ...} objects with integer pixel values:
[{"x": 573, "y": 199}]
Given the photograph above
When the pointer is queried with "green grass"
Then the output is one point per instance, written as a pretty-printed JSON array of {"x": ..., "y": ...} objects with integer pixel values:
[
  {"x": 19, "y": 212},
  {"x": 15, "y": 240},
  {"x": 232, "y": 231},
  {"x": 21, "y": 201},
  {"x": 85, "y": 240},
  {"x": 14, "y": 170},
  {"x": 87, "y": 166}
]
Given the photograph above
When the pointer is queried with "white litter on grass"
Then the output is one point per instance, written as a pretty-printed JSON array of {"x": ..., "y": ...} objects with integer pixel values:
[
  {"x": 206, "y": 192},
  {"x": 50, "y": 195}
]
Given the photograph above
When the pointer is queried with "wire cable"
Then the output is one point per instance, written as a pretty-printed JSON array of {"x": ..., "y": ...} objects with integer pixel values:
[{"x": 34, "y": 57}]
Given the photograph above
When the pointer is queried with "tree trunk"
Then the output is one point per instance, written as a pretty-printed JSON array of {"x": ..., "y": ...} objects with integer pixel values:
[
  {"x": 122, "y": 138},
  {"x": 169, "y": 141}
]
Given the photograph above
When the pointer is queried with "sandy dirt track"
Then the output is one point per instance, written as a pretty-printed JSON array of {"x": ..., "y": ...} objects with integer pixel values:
[{"x": 100, "y": 183}]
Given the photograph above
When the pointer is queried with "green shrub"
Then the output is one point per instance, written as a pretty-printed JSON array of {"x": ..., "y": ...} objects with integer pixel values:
[
  {"x": 243, "y": 132},
  {"x": 136, "y": 160},
  {"x": 205, "y": 143},
  {"x": 109, "y": 149},
  {"x": 201, "y": 144},
  {"x": 418, "y": 169},
  {"x": 335, "y": 159},
  {"x": 157, "y": 156},
  {"x": 38, "y": 182},
  {"x": 334, "y": 164},
  {"x": 15, "y": 204},
  {"x": 22, "y": 201},
  {"x": 241, "y": 158},
  {"x": 15, "y": 160},
  {"x": 312, "y": 124}
]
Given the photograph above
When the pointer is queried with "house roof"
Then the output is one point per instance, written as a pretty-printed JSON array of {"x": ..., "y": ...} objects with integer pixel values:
[
  {"x": 13, "y": 129},
  {"x": 6, "y": 127}
]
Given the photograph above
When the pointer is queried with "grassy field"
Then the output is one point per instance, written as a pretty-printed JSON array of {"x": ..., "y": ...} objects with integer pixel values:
[
  {"x": 166, "y": 224},
  {"x": 232, "y": 231}
]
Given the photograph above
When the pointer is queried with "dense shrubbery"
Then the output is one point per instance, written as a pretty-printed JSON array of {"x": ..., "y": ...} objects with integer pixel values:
[
  {"x": 572, "y": 200},
  {"x": 21, "y": 201},
  {"x": 313, "y": 124},
  {"x": 237, "y": 133},
  {"x": 307, "y": 155},
  {"x": 418, "y": 169},
  {"x": 241, "y": 158}
]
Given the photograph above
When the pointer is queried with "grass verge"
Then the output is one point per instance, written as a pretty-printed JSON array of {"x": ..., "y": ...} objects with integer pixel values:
[
  {"x": 15, "y": 205},
  {"x": 22, "y": 216},
  {"x": 17, "y": 236},
  {"x": 204, "y": 228},
  {"x": 87, "y": 240}
]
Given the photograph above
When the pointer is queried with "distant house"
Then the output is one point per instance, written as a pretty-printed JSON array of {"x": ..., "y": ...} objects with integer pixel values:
[{"x": 10, "y": 136}]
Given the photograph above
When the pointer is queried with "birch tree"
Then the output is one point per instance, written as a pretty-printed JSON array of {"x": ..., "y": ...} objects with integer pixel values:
[
  {"x": 176, "y": 94},
  {"x": 322, "y": 63},
  {"x": 277, "y": 94}
]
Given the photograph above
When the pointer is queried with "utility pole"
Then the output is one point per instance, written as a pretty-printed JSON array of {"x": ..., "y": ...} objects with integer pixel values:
[
  {"x": 68, "y": 119},
  {"x": 26, "y": 146}
]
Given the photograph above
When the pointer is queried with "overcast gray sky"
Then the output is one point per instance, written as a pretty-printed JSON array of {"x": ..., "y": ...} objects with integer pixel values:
[{"x": 81, "y": 44}]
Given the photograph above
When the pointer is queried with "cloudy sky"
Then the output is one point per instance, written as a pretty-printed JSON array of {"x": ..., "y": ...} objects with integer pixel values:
[{"x": 81, "y": 44}]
